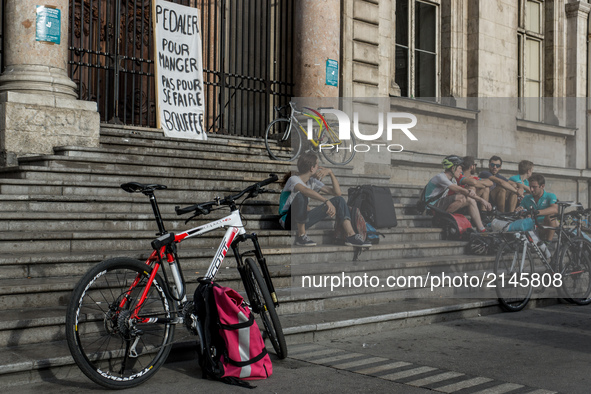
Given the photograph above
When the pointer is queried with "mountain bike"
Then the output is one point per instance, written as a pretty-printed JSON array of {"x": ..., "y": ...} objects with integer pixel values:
[
  {"x": 283, "y": 137},
  {"x": 122, "y": 315},
  {"x": 568, "y": 268}
]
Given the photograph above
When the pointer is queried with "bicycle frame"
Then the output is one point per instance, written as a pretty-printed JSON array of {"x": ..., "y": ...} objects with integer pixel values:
[
  {"x": 322, "y": 126},
  {"x": 527, "y": 240},
  {"x": 235, "y": 234},
  {"x": 235, "y": 227}
]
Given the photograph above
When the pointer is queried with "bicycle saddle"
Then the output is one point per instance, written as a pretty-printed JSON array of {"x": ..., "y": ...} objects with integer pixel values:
[{"x": 135, "y": 187}]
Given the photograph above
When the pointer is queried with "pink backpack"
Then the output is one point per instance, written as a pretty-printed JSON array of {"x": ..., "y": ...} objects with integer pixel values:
[{"x": 246, "y": 356}]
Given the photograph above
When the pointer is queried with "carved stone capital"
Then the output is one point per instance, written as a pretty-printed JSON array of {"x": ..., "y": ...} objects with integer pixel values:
[{"x": 578, "y": 9}]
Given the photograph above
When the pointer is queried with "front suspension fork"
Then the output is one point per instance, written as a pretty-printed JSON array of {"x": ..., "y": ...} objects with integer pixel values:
[{"x": 260, "y": 259}]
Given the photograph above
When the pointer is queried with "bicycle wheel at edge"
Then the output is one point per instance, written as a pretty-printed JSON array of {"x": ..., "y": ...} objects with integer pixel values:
[
  {"x": 279, "y": 148},
  {"x": 98, "y": 330},
  {"x": 339, "y": 152},
  {"x": 266, "y": 309},
  {"x": 512, "y": 296},
  {"x": 575, "y": 267}
]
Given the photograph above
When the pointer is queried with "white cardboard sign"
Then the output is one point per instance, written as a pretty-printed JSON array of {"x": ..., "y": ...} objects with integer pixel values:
[{"x": 179, "y": 70}]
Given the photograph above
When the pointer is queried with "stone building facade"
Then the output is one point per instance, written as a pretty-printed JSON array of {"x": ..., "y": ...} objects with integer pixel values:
[
  {"x": 484, "y": 77},
  {"x": 510, "y": 78}
]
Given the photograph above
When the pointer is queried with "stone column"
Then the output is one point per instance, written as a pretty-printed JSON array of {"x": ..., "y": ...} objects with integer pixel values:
[
  {"x": 577, "y": 15},
  {"x": 317, "y": 38},
  {"x": 38, "y": 106},
  {"x": 454, "y": 23}
]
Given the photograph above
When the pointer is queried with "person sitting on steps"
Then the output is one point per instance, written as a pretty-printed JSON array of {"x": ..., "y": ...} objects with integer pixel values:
[
  {"x": 503, "y": 194},
  {"x": 526, "y": 169},
  {"x": 442, "y": 184},
  {"x": 306, "y": 185},
  {"x": 469, "y": 179},
  {"x": 544, "y": 202}
]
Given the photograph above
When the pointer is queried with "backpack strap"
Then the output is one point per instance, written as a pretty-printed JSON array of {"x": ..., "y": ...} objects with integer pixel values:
[
  {"x": 238, "y": 326},
  {"x": 248, "y": 362}
]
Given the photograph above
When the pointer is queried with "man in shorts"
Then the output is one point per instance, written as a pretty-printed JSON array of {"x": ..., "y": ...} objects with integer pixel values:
[
  {"x": 503, "y": 194},
  {"x": 542, "y": 201},
  {"x": 442, "y": 184},
  {"x": 469, "y": 179}
]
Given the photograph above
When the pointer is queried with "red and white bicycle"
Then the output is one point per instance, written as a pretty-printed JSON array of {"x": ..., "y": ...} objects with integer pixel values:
[{"x": 122, "y": 314}]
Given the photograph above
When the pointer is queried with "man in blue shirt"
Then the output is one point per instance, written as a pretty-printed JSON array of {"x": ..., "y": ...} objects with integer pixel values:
[
  {"x": 542, "y": 201},
  {"x": 526, "y": 169}
]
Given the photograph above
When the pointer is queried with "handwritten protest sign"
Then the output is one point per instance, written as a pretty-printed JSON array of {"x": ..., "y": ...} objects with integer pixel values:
[{"x": 179, "y": 70}]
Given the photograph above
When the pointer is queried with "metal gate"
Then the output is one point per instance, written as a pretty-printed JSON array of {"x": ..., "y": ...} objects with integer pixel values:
[{"x": 247, "y": 60}]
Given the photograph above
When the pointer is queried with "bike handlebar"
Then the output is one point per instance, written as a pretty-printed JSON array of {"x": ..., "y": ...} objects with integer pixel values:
[
  {"x": 514, "y": 215},
  {"x": 205, "y": 207}
]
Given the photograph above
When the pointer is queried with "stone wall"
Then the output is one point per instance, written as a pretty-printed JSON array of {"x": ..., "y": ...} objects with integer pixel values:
[{"x": 478, "y": 59}]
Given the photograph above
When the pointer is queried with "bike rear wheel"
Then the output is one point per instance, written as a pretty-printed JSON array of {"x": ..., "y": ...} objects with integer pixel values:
[
  {"x": 511, "y": 266},
  {"x": 283, "y": 142},
  {"x": 262, "y": 303},
  {"x": 575, "y": 267},
  {"x": 336, "y": 150},
  {"x": 106, "y": 344}
]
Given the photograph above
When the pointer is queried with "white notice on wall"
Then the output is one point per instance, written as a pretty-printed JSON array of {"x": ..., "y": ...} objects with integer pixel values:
[{"x": 179, "y": 70}]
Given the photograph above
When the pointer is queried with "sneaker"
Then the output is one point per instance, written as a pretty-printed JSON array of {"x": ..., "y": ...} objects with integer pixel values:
[
  {"x": 304, "y": 241},
  {"x": 356, "y": 240}
]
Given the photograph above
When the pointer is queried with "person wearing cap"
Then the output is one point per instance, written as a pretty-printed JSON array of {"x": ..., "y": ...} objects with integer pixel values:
[{"x": 439, "y": 188}]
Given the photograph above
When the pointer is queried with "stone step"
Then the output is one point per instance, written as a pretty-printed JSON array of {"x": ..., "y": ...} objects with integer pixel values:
[
  {"x": 183, "y": 178},
  {"x": 32, "y": 318},
  {"x": 136, "y": 143},
  {"x": 55, "y": 291},
  {"x": 50, "y": 360},
  {"x": 178, "y": 155},
  {"x": 252, "y": 146},
  {"x": 126, "y": 135},
  {"x": 80, "y": 254},
  {"x": 162, "y": 166},
  {"x": 263, "y": 217},
  {"x": 64, "y": 213},
  {"x": 126, "y": 203},
  {"x": 23, "y": 263},
  {"x": 189, "y": 190}
]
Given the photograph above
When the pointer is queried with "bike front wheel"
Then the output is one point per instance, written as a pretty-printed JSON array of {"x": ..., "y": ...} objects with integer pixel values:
[
  {"x": 262, "y": 303},
  {"x": 513, "y": 270},
  {"x": 283, "y": 142},
  {"x": 108, "y": 346},
  {"x": 336, "y": 150},
  {"x": 575, "y": 268}
]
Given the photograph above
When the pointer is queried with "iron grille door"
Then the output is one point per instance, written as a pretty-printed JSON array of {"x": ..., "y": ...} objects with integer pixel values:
[{"x": 247, "y": 60}]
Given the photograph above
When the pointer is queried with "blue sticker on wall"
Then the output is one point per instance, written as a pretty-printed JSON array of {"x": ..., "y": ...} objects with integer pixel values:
[
  {"x": 48, "y": 24},
  {"x": 332, "y": 72}
]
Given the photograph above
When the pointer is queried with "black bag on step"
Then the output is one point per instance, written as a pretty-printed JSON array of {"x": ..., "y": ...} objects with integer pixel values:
[{"x": 376, "y": 205}]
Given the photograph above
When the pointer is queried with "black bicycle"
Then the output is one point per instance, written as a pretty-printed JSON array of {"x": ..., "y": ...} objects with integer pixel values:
[{"x": 523, "y": 264}]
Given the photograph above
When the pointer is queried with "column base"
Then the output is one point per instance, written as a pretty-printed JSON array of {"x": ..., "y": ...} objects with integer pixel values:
[
  {"x": 33, "y": 79},
  {"x": 33, "y": 124}
]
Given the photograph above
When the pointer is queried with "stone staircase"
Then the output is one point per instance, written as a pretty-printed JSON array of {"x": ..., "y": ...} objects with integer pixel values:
[{"x": 65, "y": 212}]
